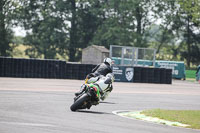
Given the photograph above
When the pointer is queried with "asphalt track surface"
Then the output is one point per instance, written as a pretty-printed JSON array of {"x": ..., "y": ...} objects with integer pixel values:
[{"x": 43, "y": 106}]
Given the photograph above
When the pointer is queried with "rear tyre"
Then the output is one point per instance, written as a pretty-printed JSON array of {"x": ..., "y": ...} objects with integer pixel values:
[{"x": 78, "y": 103}]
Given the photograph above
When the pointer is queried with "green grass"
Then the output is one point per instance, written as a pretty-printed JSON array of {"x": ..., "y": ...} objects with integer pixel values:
[
  {"x": 190, "y": 117},
  {"x": 190, "y": 74},
  {"x": 19, "y": 52}
]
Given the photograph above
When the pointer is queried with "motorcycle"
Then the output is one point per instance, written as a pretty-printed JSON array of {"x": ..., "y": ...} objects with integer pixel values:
[{"x": 92, "y": 93}]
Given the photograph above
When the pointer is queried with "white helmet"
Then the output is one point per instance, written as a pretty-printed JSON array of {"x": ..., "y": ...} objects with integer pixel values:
[{"x": 108, "y": 60}]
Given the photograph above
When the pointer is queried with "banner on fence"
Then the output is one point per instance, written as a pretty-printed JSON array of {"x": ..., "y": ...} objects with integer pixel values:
[{"x": 123, "y": 73}]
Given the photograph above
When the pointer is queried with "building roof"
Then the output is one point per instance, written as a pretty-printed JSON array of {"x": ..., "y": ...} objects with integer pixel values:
[{"x": 100, "y": 48}]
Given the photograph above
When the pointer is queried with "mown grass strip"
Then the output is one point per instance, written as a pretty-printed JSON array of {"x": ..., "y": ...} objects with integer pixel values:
[
  {"x": 189, "y": 117},
  {"x": 190, "y": 74}
]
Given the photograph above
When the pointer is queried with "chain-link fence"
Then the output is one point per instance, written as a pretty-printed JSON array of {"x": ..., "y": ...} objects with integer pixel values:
[{"x": 132, "y": 56}]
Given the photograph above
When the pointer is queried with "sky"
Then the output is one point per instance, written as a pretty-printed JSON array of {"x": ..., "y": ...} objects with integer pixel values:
[{"x": 19, "y": 31}]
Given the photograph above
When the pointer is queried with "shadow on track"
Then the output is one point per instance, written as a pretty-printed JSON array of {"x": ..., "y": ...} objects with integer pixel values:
[
  {"x": 92, "y": 112},
  {"x": 107, "y": 102}
]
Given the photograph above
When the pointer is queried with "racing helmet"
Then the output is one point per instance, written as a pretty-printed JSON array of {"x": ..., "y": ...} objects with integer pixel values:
[{"x": 108, "y": 60}]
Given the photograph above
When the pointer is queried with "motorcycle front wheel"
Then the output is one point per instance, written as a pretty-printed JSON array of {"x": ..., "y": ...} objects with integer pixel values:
[{"x": 78, "y": 104}]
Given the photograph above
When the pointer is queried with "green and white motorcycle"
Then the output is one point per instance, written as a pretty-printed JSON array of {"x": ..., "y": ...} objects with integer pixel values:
[{"x": 93, "y": 92}]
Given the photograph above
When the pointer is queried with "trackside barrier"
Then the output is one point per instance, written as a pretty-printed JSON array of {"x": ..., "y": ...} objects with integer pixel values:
[
  {"x": 178, "y": 67},
  {"x": 36, "y": 68},
  {"x": 142, "y": 74},
  {"x": 57, "y": 69}
]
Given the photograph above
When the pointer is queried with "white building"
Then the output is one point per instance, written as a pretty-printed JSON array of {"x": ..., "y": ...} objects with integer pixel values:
[{"x": 94, "y": 54}]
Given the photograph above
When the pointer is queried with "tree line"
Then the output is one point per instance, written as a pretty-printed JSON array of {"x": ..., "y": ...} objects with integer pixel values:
[{"x": 68, "y": 26}]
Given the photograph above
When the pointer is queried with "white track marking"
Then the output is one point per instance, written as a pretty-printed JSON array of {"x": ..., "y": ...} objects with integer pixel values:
[
  {"x": 138, "y": 115},
  {"x": 27, "y": 124}
]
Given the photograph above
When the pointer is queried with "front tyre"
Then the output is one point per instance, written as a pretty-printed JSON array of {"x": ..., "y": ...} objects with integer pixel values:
[{"x": 79, "y": 102}]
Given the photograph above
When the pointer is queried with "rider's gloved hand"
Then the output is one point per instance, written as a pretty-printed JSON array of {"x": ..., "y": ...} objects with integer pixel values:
[{"x": 90, "y": 75}]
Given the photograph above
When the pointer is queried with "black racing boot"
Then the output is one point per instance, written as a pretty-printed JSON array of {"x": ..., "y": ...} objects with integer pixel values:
[
  {"x": 81, "y": 91},
  {"x": 78, "y": 93},
  {"x": 89, "y": 106}
]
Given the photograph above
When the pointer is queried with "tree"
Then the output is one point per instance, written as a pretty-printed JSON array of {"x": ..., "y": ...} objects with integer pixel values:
[
  {"x": 188, "y": 23},
  {"x": 5, "y": 25},
  {"x": 161, "y": 35},
  {"x": 59, "y": 26},
  {"x": 179, "y": 26},
  {"x": 68, "y": 26},
  {"x": 87, "y": 16},
  {"x": 125, "y": 23},
  {"x": 46, "y": 21}
]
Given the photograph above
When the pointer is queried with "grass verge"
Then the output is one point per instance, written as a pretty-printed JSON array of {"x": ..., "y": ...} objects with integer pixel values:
[
  {"x": 190, "y": 117},
  {"x": 190, "y": 74}
]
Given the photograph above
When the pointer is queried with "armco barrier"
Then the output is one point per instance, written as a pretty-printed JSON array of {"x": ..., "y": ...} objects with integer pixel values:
[{"x": 37, "y": 68}]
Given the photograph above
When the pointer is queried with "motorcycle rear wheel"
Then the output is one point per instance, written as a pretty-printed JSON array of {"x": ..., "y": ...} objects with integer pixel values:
[{"x": 79, "y": 102}]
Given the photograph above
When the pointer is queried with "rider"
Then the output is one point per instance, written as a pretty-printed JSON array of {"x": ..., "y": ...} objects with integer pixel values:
[
  {"x": 198, "y": 73},
  {"x": 100, "y": 70},
  {"x": 103, "y": 87}
]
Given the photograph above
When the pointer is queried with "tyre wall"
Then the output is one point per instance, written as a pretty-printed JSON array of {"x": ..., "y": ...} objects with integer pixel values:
[{"x": 57, "y": 69}]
